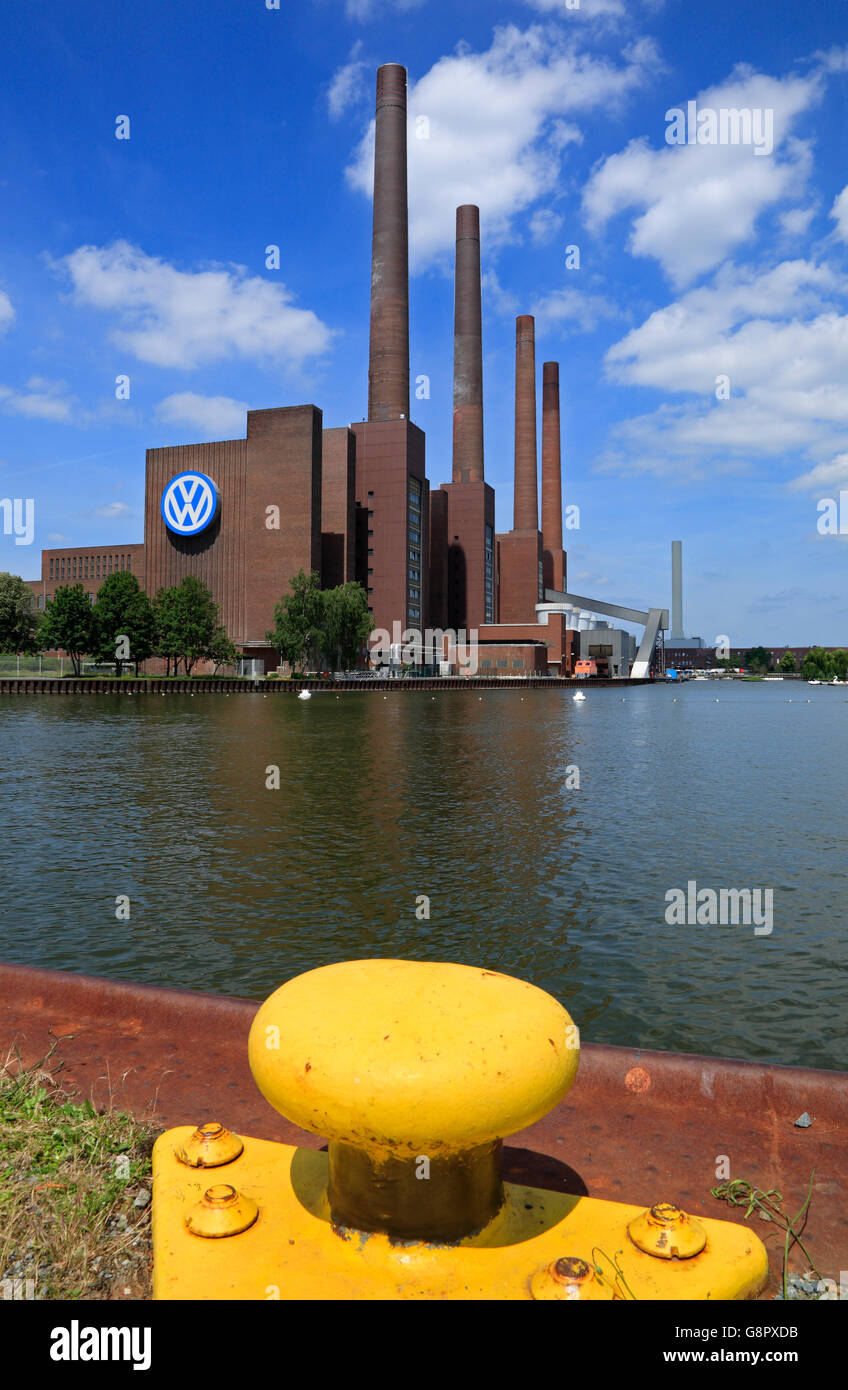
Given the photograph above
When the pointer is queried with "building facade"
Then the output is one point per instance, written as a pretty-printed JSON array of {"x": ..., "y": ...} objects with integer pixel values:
[{"x": 245, "y": 515}]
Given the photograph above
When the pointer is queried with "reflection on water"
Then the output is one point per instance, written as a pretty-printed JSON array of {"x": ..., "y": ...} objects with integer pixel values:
[{"x": 469, "y": 802}]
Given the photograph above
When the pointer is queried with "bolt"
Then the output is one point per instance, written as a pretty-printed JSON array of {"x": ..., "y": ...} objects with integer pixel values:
[
  {"x": 571, "y": 1270},
  {"x": 221, "y": 1211},
  {"x": 562, "y": 1280}
]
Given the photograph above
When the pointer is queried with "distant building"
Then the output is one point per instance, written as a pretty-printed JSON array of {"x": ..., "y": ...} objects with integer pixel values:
[{"x": 244, "y": 515}]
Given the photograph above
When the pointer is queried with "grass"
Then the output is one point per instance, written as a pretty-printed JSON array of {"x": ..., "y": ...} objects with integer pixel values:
[
  {"x": 69, "y": 1179},
  {"x": 740, "y": 1193}
]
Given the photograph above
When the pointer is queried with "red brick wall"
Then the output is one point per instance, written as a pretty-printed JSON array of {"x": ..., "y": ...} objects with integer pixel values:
[
  {"x": 388, "y": 454},
  {"x": 247, "y": 564},
  {"x": 284, "y": 449},
  {"x": 86, "y": 565},
  {"x": 519, "y": 556},
  {"x": 520, "y": 657},
  {"x": 439, "y": 558},
  {"x": 338, "y": 508},
  {"x": 471, "y": 508}
]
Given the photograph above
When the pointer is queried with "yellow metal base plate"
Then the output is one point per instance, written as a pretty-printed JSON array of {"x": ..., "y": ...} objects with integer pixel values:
[{"x": 292, "y": 1251}]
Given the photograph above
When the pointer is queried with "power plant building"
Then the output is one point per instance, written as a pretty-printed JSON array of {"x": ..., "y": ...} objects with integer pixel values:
[{"x": 354, "y": 503}]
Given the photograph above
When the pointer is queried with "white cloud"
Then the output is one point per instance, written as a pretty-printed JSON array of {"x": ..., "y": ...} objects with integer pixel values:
[
  {"x": 572, "y": 307},
  {"x": 696, "y": 203},
  {"x": 585, "y": 9},
  {"x": 494, "y": 134},
  {"x": 178, "y": 318},
  {"x": 41, "y": 399},
  {"x": 7, "y": 312},
  {"x": 213, "y": 416},
  {"x": 371, "y": 9},
  {"x": 839, "y": 212},
  {"x": 495, "y": 296},
  {"x": 831, "y": 474},
  {"x": 544, "y": 225},
  {"x": 112, "y": 510},
  {"x": 349, "y": 84},
  {"x": 778, "y": 336},
  {"x": 795, "y": 221}
]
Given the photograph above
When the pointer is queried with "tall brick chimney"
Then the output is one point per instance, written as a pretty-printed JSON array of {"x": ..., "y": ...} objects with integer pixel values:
[
  {"x": 526, "y": 511},
  {"x": 388, "y": 367},
  {"x": 551, "y": 459},
  {"x": 468, "y": 351},
  {"x": 552, "y": 557}
]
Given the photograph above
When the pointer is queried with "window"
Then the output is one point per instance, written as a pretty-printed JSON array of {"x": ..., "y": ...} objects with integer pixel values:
[
  {"x": 518, "y": 665},
  {"x": 129, "y": 562},
  {"x": 486, "y": 665},
  {"x": 51, "y": 569},
  {"x": 501, "y": 665},
  {"x": 489, "y": 553}
]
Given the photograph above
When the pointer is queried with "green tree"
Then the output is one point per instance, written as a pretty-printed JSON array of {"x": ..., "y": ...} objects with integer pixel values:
[
  {"x": 186, "y": 620},
  {"x": 166, "y": 640},
  {"x": 816, "y": 664},
  {"x": 346, "y": 624},
  {"x": 758, "y": 659},
  {"x": 839, "y": 663},
  {"x": 123, "y": 611},
  {"x": 69, "y": 624},
  {"x": 18, "y": 622},
  {"x": 298, "y": 631},
  {"x": 788, "y": 662},
  {"x": 222, "y": 651}
]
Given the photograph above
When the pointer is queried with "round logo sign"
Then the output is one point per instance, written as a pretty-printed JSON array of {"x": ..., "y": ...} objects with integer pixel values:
[{"x": 189, "y": 503}]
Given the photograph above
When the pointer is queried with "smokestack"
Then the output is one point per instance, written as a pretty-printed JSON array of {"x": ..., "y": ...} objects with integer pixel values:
[
  {"x": 388, "y": 367},
  {"x": 676, "y": 590},
  {"x": 526, "y": 507},
  {"x": 468, "y": 351},
  {"x": 551, "y": 460}
]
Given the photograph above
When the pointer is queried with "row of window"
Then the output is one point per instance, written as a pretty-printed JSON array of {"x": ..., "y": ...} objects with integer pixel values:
[
  {"x": 490, "y": 575},
  {"x": 414, "y": 551},
  {"x": 502, "y": 665},
  {"x": 88, "y": 566},
  {"x": 37, "y": 601}
]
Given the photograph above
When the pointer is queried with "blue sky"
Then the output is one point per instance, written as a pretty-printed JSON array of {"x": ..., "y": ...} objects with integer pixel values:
[{"x": 250, "y": 127}]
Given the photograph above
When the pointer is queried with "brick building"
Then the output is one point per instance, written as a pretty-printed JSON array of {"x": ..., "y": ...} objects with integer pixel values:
[{"x": 244, "y": 515}]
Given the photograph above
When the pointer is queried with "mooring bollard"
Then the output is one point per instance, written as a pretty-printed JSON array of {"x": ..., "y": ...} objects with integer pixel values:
[{"x": 414, "y": 1072}]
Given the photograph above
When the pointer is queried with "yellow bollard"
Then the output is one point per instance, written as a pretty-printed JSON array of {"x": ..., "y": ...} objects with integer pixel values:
[{"x": 415, "y": 1072}]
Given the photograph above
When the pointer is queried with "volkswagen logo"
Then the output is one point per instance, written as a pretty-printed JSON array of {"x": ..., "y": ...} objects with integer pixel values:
[{"x": 189, "y": 503}]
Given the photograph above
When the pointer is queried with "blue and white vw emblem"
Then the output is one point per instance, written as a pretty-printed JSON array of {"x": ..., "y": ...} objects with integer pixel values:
[{"x": 189, "y": 503}]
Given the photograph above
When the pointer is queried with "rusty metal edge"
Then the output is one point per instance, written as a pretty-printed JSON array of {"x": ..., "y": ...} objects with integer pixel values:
[
  {"x": 668, "y": 1075},
  {"x": 637, "y": 1125}
]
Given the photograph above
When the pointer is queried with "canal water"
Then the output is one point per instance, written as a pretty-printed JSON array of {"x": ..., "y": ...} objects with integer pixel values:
[{"x": 532, "y": 834}]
